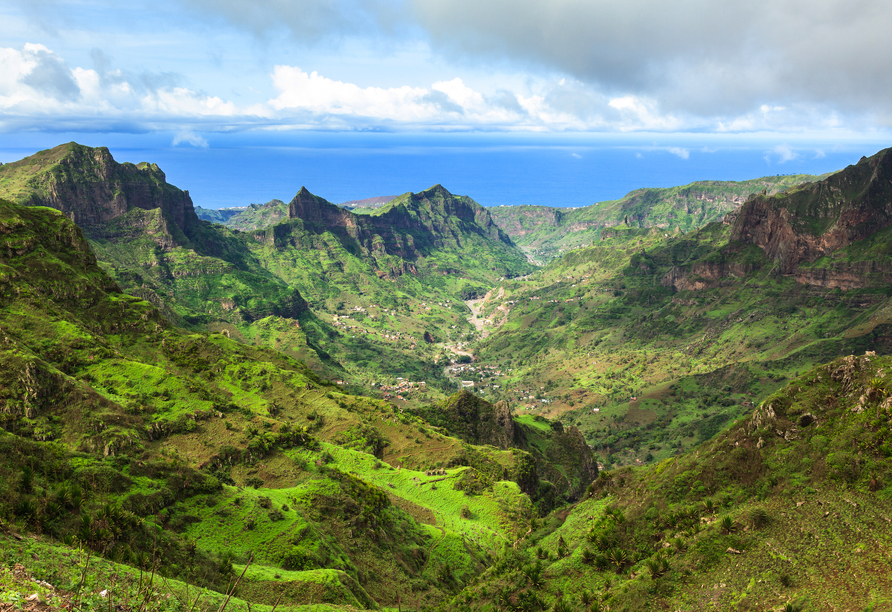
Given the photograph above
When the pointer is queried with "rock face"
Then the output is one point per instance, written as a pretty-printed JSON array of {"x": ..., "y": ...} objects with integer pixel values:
[
  {"x": 703, "y": 275},
  {"x": 819, "y": 218},
  {"x": 412, "y": 227},
  {"x": 407, "y": 227},
  {"x": 90, "y": 187},
  {"x": 479, "y": 422}
]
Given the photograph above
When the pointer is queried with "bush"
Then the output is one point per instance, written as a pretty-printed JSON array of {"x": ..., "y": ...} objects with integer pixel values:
[{"x": 760, "y": 518}]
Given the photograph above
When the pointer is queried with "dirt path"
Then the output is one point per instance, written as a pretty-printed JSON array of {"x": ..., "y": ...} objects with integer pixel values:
[{"x": 476, "y": 319}]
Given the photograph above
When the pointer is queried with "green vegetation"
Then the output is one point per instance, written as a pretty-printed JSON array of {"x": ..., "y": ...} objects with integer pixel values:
[
  {"x": 197, "y": 442},
  {"x": 547, "y": 233}
]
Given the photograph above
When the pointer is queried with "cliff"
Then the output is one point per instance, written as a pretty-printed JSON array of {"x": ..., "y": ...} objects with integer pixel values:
[
  {"x": 90, "y": 187},
  {"x": 411, "y": 230},
  {"x": 818, "y": 219}
]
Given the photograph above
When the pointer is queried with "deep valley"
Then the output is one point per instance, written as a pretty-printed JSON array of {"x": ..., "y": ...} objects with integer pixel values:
[{"x": 678, "y": 400}]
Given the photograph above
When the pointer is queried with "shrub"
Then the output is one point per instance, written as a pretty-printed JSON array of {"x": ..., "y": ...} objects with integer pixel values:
[
  {"x": 727, "y": 525},
  {"x": 658, "y": 566},
  {"x": 760, "y": 518}
]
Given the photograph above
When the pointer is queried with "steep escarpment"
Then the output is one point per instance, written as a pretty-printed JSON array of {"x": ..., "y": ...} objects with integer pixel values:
[
  {"x": 90, "y": 187},
  {"x": 547, "y": 231},
  {"x": 820, "y": 218},
  {"x": 562, "y": 465},
  {"x": 412, "y": 231},
  {"x": 148, "y": 239}
]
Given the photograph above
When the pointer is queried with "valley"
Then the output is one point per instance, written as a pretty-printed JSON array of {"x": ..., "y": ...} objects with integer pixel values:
[{"x": 387, "y": 405}]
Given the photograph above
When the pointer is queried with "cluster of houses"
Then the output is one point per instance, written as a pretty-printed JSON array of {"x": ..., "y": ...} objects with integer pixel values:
[{"x": 401, "y": 389}]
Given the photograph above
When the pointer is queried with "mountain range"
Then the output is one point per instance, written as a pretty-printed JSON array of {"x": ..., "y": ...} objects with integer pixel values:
[{"x": 269, "y": 412}]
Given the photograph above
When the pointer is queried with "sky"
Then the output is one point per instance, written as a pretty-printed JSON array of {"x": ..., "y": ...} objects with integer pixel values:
[{"x": 792, "y": 80}]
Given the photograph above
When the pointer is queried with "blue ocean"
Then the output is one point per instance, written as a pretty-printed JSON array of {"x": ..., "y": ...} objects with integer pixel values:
[{"x": 494, "y": 169}]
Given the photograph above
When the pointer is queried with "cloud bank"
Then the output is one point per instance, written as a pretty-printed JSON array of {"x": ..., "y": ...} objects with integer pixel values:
[
  {"x": 703, "y": 58},
  {"x": 560, "y": 65}
]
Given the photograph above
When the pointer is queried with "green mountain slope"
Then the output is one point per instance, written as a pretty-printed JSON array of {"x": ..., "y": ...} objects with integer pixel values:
[
  {"x": 786, "y": 510},
  {"x": 651, "y": 344},
  {"x": 547, "y": 232},
  {"x": 184, "y": 453}
]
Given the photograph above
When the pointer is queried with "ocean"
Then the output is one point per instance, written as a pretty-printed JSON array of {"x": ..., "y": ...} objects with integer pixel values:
[{"x": 494, "y": 169}]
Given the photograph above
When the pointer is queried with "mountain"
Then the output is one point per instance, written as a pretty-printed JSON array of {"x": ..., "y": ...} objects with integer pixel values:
[
  {"x": 546, "y": 231},
  {"x": 799, "y": 228},
  {"x": 247, "y": 218},
  {"x": 415, "y": 226},
  {"x": 90, "y": 187},
  {"x": 651, "y": 344},
  {"x": 197, "y": 460}
]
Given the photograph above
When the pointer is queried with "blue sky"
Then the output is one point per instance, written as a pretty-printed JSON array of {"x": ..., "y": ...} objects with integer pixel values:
[{"x": 792, "y": 80}]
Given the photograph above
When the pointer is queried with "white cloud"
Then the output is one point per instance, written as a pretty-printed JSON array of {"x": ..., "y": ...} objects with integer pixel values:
[
  {"x": 190, "y": 138},
  {"x": 576, "y": 155},
  {"x": 38, "y": 89},
  {"x": 680, "y": 152},
  {"x": 785, "y": 153}
]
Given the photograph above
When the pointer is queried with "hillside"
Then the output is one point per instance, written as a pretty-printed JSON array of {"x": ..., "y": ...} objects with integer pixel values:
[
  {"x": 315, "y": 291},
  {"x": 785, "y": 510},
  {"x": 196, "y": 458},
  {"x": 651, "y": 344},
  {"x": 547, "y": 232}
]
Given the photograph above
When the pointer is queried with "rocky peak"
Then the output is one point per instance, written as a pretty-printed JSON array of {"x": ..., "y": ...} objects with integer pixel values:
[
  {"x": 819, "y": 218},
  {"x": 318, "y": 211},
  {"x": 90, "y": 187}
]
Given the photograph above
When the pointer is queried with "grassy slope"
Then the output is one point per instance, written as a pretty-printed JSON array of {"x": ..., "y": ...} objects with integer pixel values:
[
  {"x": 547, "y": 232},
  {"x": 751, "y": 520},
  {"x": 109, "y": 411}
]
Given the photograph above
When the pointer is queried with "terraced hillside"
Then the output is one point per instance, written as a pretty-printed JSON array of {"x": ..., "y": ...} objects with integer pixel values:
[{"x": 191, "y": 457}]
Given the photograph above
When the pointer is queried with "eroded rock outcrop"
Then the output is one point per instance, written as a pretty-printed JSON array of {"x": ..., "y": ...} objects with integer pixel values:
[
  {"x": 90, "y": 187},
  {"x": 819, "y": 218}
]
